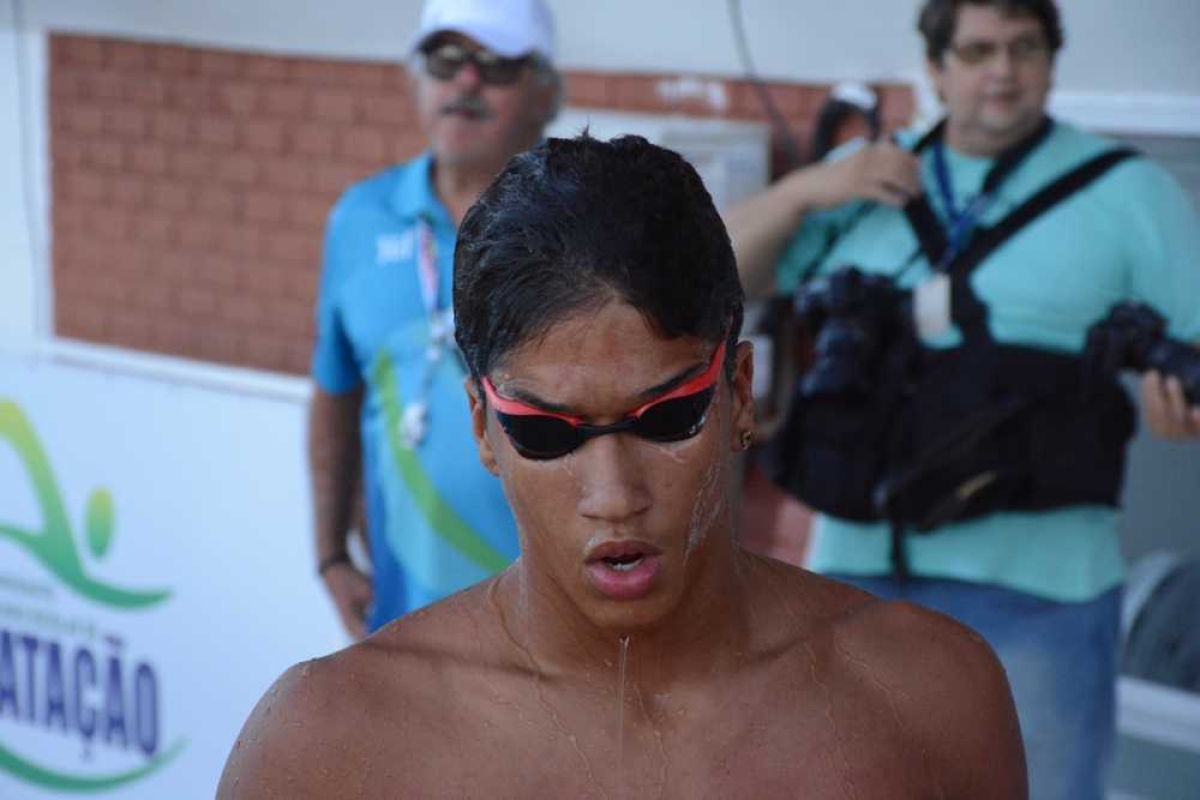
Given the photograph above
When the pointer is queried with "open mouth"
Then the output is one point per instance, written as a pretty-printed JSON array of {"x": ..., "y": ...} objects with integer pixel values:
[
  {"x": 624, "y": 570},
  {"x": 624, "y": 563}
]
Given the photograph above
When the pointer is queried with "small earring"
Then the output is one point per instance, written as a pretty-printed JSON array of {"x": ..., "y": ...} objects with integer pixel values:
[{"x": 747, "y": 439}]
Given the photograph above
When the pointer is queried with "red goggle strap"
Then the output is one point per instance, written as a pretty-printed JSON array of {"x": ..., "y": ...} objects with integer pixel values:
[
  {"x": 694, "y": 386},
  {"x": 515, "y": 408}
]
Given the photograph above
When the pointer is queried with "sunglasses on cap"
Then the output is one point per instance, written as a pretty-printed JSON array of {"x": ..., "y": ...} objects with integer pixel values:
[
  {"x": 443, "y": 61},
  {"x": 673, "y": 416}
]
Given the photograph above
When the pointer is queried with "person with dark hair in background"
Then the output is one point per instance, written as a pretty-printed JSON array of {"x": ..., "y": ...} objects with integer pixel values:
[
  {"x": 634, "y": 649},
  {"x": 850, "y": 112},
  {"x": 385, "y": 371},
  {"x": 775, "y": 522},
  {"x": 977, "y": 469}
]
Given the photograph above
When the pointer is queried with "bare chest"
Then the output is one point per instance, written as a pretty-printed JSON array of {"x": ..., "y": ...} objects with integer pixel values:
[{"x": 784, "y": 739}]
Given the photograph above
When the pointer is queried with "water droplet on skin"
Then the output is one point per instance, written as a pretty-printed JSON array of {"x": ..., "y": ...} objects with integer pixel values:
[
  {"x": 670, "y": 451},
  {"x": 705, "y": 510},
  {"x": 538, "y": 678},
  {"x": 621, "y": 671}
]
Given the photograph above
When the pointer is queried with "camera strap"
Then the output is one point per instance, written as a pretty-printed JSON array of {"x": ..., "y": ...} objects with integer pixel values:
[
  {"x": 938, "y": 248},
  {"x": 963, "y": 223},
  {"x": 1046, "y": 198},
  {"x": 967, "y": 311}
]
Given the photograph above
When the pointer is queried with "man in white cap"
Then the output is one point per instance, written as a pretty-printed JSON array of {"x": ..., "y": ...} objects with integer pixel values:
[{"x": 387, "y": 397}]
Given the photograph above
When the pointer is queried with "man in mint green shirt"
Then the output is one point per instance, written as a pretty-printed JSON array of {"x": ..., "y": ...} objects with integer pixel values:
[{"x": 1042, "y": 587}]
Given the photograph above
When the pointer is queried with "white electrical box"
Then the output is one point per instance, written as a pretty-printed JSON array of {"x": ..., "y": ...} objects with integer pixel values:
[{"x": 730, "y": 155}]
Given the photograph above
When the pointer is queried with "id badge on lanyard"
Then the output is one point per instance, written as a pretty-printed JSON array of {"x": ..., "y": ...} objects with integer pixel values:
[
  {"x": 931, "y": 305},
  {"x": 414, "y": 421}
]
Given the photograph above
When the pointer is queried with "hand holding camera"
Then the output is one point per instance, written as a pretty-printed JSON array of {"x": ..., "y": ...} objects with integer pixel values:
[{"x": 1133, "y": 336}]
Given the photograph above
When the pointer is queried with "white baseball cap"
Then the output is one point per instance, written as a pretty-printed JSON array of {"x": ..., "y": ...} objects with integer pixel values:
[
  {"x": 856, "y": 94},
  {"x": 509, "y": 28}
]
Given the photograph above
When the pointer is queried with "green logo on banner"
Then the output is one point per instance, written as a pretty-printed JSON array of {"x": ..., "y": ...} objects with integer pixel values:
[
  {"x": 81, "y": 689},
  {"x": 54, "y": 545}
]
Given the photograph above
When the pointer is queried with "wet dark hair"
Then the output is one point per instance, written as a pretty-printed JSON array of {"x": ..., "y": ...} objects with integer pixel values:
[
  {"x": 938, "y": 18},
  {"x": 576, "y": 223}
]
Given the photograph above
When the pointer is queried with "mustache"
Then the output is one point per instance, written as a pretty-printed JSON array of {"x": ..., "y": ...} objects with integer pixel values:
[{"x": 470, "y": 104}]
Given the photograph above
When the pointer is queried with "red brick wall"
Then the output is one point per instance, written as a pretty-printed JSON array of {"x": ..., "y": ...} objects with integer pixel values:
[{"x": 190, "y": 184}]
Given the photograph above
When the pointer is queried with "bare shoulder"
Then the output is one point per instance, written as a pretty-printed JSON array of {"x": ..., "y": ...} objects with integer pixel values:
[
  {"x": 898, "y": 631},
  {"x": 950, "y": 689},
  {"x": 924, "y": 679},
  {"x": 285, "y": 736},
  {"x": 327, "y": 724},
  {"x": 858, "y": 626},
  {"x": 898, "y": 637}
]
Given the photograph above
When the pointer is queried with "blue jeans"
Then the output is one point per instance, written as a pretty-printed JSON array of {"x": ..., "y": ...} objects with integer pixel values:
[{"x": 1061, "y": 660}]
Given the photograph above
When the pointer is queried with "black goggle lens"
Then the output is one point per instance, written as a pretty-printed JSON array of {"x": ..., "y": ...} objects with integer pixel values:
[
  {"x": 545, "y": 437},
  {"x": 675, "y": 420}
]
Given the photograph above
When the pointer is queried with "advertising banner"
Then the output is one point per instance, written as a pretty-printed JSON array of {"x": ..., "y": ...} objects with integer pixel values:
[{"x": 155, "y": 576}]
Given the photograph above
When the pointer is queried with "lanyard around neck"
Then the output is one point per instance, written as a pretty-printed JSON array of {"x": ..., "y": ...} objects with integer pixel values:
[
  {"x": 962, "y": 223},
  {"x": 441, "y": 325},
  {"x": 427, "y": 267},
  {"x": 414, "y": 422}
]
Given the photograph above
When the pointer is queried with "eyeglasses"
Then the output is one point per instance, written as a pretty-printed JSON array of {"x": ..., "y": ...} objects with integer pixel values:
[
  {"x": 676, "y": 415},
  {"x": 1021, "y": 50},
  {"x": 445, "y": 60}
]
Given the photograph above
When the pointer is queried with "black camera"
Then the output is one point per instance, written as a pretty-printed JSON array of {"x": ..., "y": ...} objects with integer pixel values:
[
  {"x": 853, "y": 315},
  {"x": 1134, "y": 336}
]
